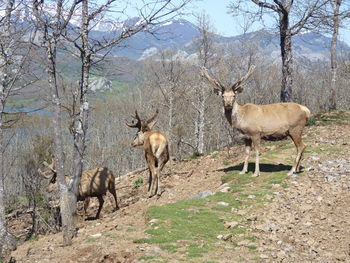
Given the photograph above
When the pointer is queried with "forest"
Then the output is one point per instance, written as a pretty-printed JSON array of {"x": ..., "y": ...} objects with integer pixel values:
[{"x": 51, "y": 58}]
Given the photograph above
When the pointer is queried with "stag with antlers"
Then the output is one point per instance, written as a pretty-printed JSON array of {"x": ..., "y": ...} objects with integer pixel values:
[
  {"x": 156, "y": 150},
  {"x": 261, "y": 121}
]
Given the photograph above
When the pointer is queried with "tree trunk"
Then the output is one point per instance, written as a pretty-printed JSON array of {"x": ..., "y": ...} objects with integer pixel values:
[
  {"x": 80, "y": 122},
  {"x": 334, "y": 66},
  {"x": 68, "y": 226},
  {"x": 287, "y": 60},
  {"x": 170, "y": 119},
  {"x": 7, "y": 241},
  {"x": 201, "y": 121}
]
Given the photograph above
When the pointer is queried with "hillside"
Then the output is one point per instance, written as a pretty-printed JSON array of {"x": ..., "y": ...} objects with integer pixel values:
[{"x": 272, "y": 218}]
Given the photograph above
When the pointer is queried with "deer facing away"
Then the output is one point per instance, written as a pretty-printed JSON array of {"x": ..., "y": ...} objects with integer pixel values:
[
  {"x": 156, "y": 150},
  {"x": 93, "y": 183},
  {"x": 261, "y": 121}
]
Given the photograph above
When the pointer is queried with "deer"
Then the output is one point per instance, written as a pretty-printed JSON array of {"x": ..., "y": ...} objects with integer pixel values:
[
  {"x": 156, "y": 149},
  {"x": 93, "y": 183},
  {"x": 256, "y": 122}
]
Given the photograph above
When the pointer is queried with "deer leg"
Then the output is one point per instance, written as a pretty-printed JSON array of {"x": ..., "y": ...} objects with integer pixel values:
[
  {"x": 101, "y": 201},
  {"x": 159, "y": 191},
  {"x": 248, "y": 147},
  {"x": 152, "y": 173},
  {"x": 113, "y": 192},
  {"x": 153, "y": 182},
  {"x": 256, "y": 144},
  {"x": 296, "y": 137},
  {"x": 149, "y": 180}
]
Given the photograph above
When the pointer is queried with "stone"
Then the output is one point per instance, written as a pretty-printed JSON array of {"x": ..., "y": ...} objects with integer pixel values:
[
  {"x": 153, "y": 221},
  {"x": 96, "y": 235},
  {"x": 232, "y": 224},
  {"x": 227, "y": 237},
  {"x": 201, "y": 195},
  {"x": 223, "y": 203}
]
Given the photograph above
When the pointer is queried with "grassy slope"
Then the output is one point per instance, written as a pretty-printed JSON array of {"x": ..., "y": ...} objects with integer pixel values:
[{"x": 188, "y": 229}]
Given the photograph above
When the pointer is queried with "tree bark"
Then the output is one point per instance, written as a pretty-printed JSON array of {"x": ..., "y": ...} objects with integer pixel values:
[
  {"x": 334, "y": 66},
  {"x": 7, "y": 241},
  {"x": 287, "y": 59},
  {"x": 81, "y": 120},
  {"x": 51, "y": 38}
]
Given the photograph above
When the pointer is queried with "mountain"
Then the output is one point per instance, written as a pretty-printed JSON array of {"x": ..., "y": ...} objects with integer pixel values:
[{"x": 180, "y": 35}]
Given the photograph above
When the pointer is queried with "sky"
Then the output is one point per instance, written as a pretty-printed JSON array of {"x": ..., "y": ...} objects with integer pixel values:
[{"x": 226, "y": 25}]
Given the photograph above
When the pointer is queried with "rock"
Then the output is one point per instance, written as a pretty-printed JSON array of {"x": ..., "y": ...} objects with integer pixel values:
[
  {"x": 220, "y": 236},
  {"x": 153, "y": 221},
  {"x": 227, "y": 237},
  {"x": 232, "y": 224},
  {"x": 200, "y": 195},
  {"x": 223, "y": 186},
  {"x": 96, "y": 235},
  {"x": 251, "y": 196},
  {"x": 223, "y": 203},
  {"x": 153, "y": 250},
  {"x": 243, "y": 243},
  {"x": 307, "y": 224},
  {"x": 225, "y": 190},
  {"x": 252, "y": 218},
  {"x": 264, "y": 256}
]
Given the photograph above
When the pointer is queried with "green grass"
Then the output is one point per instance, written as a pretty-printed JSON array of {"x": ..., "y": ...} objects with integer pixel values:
[
  {"x": 170, "y": 247},
  {"x": 137, "y": 183},
  {"x": 190, "y": 227},
  {"x": 146, "y": 258},
  {"x": 91, "y": 239},
  {"x": 110, "y": 235},
  {"x": 33, "y": 239}
]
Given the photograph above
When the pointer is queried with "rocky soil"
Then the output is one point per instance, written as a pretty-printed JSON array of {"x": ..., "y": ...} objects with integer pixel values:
[{"x": 307, "y": 221}]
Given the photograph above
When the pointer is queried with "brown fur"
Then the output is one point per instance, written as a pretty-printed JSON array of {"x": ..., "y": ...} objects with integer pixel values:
[
  {"x": 93, "y": 183},
  {"x": 156, "y": 149},
  {"x": 262, "y": 121}
]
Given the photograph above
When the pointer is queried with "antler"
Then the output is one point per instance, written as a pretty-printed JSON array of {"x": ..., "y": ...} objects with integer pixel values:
[
  {"x": 210, "y": 79},
  {"x": 137, "y": 124},
  {"x": 152, "y": 118},
  {"x": 240, "y": 81}
]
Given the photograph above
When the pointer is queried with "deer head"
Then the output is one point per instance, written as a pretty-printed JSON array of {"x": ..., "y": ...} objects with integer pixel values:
[
  {"x": 48, "y": 171},
  {"x": 228, "y": 94},
  {"x": 142, "y": 128}
]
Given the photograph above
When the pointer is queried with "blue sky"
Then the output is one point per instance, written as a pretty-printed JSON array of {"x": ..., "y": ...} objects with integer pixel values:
[
  {"x": 227, "y": 25},
  {"x": 224, "y": 23}
]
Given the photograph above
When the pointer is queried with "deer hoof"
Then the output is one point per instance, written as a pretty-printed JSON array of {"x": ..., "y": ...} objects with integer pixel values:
[
  {"x": 242, "y": 172},
  {"x": 255, "y": 174}
]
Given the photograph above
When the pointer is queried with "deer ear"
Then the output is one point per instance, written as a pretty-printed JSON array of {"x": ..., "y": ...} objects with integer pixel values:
[
  {"x": 239, "y": 89},
  {"x": 217, "y": 92},
  {"x": 151, "y": 124}
]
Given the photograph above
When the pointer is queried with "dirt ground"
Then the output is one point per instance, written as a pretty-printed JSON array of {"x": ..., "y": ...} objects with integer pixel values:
[{"x": 308, "y": 221}]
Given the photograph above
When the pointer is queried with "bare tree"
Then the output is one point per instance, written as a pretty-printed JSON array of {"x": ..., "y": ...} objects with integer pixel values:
[
  {"x": 167, "y": 73},
  {"x": 14, "y": 53},
  {"x": 205, "y": 49},
  {"x": 90, "y": 51},
  {"x": 292, "y": 17},
  {"x": 51, "y": 29},
  {"x": 330, "y": 18}
]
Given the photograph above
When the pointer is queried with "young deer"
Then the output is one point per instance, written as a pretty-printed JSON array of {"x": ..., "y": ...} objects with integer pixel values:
[
  {"x": 156, "y": 150},
  {"x": 262, "y": 121},
  {"x": 93, "y": 183}
]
